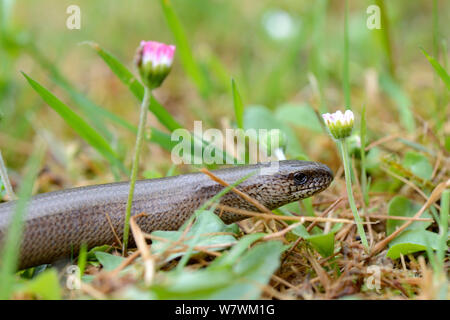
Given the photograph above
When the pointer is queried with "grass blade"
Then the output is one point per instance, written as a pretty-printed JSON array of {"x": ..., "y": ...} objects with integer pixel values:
[
  {"x": 435, "y": 16},
  {"x": 11, "y": 245},
  {"x": 4, "y": 179},
  {"x": 89, "y": 107},
  {"x": 346, "y": 76},
  {"x": 94, "y": 112},
  {"x": 238, "y": 106},
  {"x": 6, "y": 12},
  {"x": 438, "y": 69},
  {"x": 128, "y": 79},
  {"x": 443, "y": 227},
  {"x": 83, "y": 129},
  {"x": 386, "y": 41},
  {"x": 187, "y": 59},
  {"x": 317, "y": 34},
  {"x": 162, "y": 139},
  {"x": 402, "y": 102},
  {"x": 364, "y": 187},
  {"x": 218, "y": 71},
  {"x": 82, "y": 258}
]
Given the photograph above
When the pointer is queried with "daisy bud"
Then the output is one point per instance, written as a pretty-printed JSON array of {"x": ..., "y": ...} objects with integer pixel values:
[
  {"x": 339, "y": 124},
  {"x": 154, "y": 61}
]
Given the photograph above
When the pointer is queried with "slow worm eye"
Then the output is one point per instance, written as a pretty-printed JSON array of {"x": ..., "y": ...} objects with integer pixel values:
[{"x": 300, "y": 178}]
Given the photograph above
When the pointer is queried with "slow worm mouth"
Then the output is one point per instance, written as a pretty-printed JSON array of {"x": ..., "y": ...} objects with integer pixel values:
[
  {"x": 319, "y": 187},
  {"x": 315, "y": 189},
  {"x": 323, "y": 183}
]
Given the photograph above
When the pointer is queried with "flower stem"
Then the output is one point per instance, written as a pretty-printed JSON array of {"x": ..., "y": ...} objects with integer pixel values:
[
  {"x": 343, "y": 146},
  {"x": 134, "y": 170}
]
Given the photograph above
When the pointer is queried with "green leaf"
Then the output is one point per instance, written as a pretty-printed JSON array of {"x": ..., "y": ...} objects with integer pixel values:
[
  {"x": 238, "y": 106},
  {"x": 438, "y": 69},
  {"x": 91, "y": 253},
  {"x": 83, "y": 129},
  {"x": 206, "y": 222},
  {"x": 238, "y": 249},
  {"x": 418, "y": 164},
  {"x": 301, "y": 232},
  {"x": 403, "y": 207},
  {"x": 200, "y": 284},
  {"x": 412, "y": 241},
  {"x": 323, "y": 243},
  {"x": 187, "y": 59},
  {"x": 242, "y": 280},
  {"x": 307, "y": 203},
  {"x": 373, "y": 160},
  {"x": 302, "y": 116},
  {"x": 259, "y": 117},
  {"x": 108, "y": 261},
  {"x": 136, "y": 87},
  {"x": 257, "y": 265},
  {"x": 45, "y": 286},
  {"x": 288, "y": 208}
]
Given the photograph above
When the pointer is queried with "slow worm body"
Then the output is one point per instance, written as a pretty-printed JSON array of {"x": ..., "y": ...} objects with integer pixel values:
[{"x": 57, "y": 223}]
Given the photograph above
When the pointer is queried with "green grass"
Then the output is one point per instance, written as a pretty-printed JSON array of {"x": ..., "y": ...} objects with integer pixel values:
[
  {"x": 238, "y": 106},
  {"x": 386, "y": 37},
  {"x": 364, "y": 184},
  {"x": 440, "y": 71},
  {"x": 77, "y": 123},
  {"x": 346, "y": 61},
  {"x": 95, "y": 113},
  {"x": 443, "y": 228},
  {"x": 317, "y": 57},
  {"x": 190, "y": 66}
]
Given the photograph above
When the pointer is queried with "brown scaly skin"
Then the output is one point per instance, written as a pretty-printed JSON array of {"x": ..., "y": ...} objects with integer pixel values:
[{"x": 57, "y": 223}]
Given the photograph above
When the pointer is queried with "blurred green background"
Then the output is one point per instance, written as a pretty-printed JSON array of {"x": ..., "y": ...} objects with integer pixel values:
[{"x": 280, "y": 53}]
